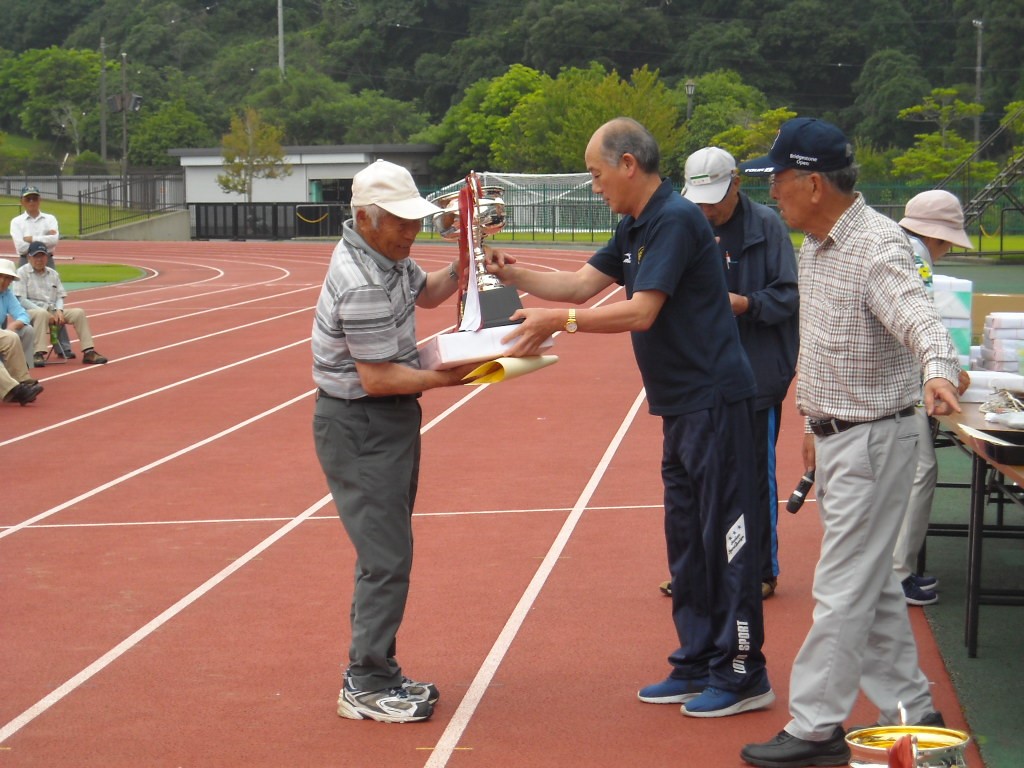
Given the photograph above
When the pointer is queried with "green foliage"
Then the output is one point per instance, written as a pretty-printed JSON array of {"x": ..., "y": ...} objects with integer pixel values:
[
  {"x": 252, "y": 150},
  {"x": 169, "y": 126},
  {"x": 933, "y": 157},
  {"x": 890, "y": 81},
  {"x": 943, "y": 108},
  {"x": 549, "y": 130},
  {"x": 42, "y": 89},
  {"x": 88, "y": 162},
  {"x": 745, "y": 143}
]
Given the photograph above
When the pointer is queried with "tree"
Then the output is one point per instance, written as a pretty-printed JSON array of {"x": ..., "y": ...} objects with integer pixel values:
[
  {"x": 549, "y": 130},
  {"x": 171, "y": 125},
  {"x": 943, "y": 108},
  {"x": 888, "y": 83},
  {"x": 748, "y": 142},
  {"x": 934, "y": 156},
  {"x": 252, "y": 150}
]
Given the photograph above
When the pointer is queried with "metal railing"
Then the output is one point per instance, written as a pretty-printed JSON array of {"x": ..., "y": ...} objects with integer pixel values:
[
  {"x": 122, "y": 200},
  {"x": 266, "y": 221}
]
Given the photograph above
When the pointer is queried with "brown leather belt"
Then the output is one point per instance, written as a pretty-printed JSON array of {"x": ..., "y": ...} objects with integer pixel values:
[{"x": 826, "y": 427}]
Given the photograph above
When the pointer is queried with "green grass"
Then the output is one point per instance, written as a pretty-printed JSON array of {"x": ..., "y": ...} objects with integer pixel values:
[
  {"x": 98, "y": 273},
  {"x": 66, "y": 213}
]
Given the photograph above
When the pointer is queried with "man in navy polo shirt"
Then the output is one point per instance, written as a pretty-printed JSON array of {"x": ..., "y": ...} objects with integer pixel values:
[{"x": 699, "y": 381}]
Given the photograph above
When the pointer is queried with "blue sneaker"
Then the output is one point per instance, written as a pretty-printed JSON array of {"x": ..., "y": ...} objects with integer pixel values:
[
  {"x": 714, "y": 702},
  {"x": 916, "y": 595},
  {"x": 672, "y": 690},
  {"x": 929, "y": 583}
]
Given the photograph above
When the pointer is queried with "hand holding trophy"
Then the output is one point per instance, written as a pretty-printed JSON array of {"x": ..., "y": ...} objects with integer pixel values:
[
  {"x": 470, "y": 215},
  {"x": 484, "y": 305}
]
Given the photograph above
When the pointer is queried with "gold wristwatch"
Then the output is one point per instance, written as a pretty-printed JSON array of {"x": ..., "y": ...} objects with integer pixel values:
[{"x": 570, "y": 323}]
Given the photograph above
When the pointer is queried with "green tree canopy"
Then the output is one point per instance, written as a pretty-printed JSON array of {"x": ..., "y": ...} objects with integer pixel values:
[
  {"x": 169, "y": 126},
  {"x": 548, "y": 131}
]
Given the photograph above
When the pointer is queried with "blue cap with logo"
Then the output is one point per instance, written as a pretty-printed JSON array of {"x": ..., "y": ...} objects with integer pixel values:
[
  {"x": 806, "y": 144},
  {"x": 26, "y": 191}
]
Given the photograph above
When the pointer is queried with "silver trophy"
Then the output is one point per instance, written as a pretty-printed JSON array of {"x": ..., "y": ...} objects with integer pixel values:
[{"x": 484, "y": 209}]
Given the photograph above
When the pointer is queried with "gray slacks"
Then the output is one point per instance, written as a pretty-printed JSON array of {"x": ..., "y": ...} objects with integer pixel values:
[
  {"x": 370, "y": 455},
  {"x": 861, "y": 636}
]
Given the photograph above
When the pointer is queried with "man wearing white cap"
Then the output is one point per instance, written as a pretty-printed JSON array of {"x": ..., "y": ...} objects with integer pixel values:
[
  {"x": 16, "y": 386},
  {"x": 760, "y": 273},
  {"x": 13, "y": 316},
  {"x": 934, "y": 223},
  {"x": 367, "y": 421}
]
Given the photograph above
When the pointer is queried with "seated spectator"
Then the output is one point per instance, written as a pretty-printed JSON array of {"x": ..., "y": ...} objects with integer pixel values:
[
  {"x": 16, "y": 385},
  {"x": 13, "y": 316},
  {"x": 42, "y": 293}
]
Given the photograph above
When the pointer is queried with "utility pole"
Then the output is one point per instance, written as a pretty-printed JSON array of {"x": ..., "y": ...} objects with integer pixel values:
[
  {"x": 979, "y": 25},
  {"x": 124, "y": 128},
  {"x": 103, "y": 99},
  {"x": 280, "y": 36}
]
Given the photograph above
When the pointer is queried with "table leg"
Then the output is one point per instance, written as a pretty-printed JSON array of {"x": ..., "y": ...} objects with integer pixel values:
[{"x": 975, "y": 534}]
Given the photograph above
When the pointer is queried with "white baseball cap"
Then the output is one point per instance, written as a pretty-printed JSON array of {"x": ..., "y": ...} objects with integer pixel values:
[
  {"x": 392, "y": 188},
  {"x": 7, "y": 268},
  {"x": 936, "y": 213},
  {"x": 709, "y": 173}
]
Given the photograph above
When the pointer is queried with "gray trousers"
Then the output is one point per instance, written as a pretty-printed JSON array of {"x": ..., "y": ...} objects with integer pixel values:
[
  {"x": 370, "y": 454},
  {"x": 861, "y": 636}
]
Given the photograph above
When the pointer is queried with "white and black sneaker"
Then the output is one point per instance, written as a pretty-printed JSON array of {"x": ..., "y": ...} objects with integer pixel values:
[
  {"x": 388, "y": 705},
  {"x": 421, "y": 691}
]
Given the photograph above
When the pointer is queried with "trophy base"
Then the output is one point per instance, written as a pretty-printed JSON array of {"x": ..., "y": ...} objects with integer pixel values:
[{"x": 497, "y": 305}]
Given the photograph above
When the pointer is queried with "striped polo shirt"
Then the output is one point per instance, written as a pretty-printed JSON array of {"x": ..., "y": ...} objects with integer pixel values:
[{"x": 366, "y": 312}]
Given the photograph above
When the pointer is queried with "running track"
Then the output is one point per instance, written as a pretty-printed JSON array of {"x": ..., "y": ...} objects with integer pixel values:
[{"x": 174, "y": 583}]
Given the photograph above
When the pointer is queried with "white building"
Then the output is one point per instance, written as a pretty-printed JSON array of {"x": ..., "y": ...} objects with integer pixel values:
[{"x": 319, "y": 174}]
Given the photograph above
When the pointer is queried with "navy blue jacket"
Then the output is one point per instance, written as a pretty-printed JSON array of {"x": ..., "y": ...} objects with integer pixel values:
[{"x": 765, "y": 272}]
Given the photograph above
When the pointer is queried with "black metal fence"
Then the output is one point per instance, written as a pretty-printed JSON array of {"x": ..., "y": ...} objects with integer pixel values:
[
  {"x": 121, "y": 200},
  {"x": 266, "y": 221}
]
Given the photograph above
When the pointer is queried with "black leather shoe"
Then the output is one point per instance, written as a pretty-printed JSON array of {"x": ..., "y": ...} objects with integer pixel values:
[
  {"x": 787, "y": 751},
  {"x": 24, "y": 393}
]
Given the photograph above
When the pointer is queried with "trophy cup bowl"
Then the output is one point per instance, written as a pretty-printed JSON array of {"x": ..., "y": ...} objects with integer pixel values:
[{"x": 488, "y": 219}]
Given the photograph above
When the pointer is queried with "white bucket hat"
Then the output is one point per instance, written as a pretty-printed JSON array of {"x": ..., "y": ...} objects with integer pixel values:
[
  {"x": 7, "y": 268},
  {"x": 936, "y": 213},
  {"x": 392, "y": 188}
]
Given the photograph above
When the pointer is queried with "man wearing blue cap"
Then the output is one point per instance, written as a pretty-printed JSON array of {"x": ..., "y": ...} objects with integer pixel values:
[{"x": 867, "y": 332}]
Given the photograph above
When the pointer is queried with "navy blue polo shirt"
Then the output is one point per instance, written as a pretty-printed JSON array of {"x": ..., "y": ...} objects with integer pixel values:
[{"x": 691, "y": 356}]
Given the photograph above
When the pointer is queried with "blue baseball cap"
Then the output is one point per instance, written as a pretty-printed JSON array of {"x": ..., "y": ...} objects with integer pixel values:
[{"x": 806, "y": 144}]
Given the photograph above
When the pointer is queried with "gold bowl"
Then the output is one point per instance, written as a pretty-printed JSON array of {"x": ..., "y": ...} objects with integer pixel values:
[{"x": 936, "y": 747}]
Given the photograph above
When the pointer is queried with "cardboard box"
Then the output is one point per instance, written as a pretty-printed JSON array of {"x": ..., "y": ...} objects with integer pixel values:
[{"x": 448, "y": 350}]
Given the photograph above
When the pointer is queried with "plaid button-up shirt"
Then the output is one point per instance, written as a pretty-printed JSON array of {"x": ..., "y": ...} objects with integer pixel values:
[{"x": 867, "y": 328}]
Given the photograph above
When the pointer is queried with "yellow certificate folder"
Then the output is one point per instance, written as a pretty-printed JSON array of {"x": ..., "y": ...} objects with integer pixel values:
[{"x": 508, "y": 368}]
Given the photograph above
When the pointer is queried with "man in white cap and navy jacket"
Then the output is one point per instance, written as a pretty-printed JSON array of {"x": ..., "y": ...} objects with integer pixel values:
[
  {"x": 760, "y": 273},
  {"x": 367, "y": 421}
]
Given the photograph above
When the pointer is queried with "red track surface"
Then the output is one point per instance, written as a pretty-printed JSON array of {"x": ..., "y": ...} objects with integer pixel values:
[{"x": 174, "y": 583}]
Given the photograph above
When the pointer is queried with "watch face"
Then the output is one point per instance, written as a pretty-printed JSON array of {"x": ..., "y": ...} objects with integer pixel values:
[{"x": 571, "y": 327}]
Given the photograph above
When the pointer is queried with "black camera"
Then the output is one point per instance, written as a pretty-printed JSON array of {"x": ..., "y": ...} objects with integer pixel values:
[{"x": 800, "y": 493}]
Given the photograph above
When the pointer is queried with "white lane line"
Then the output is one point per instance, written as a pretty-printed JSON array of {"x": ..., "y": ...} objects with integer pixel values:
[
  {"x": 467, "y": 707},
  {"x": 138, "y": 636},
  {"x": 153, "y": 464},
  {"x": 135, "y": 638},
  {"x": 152, "y": 392}
]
